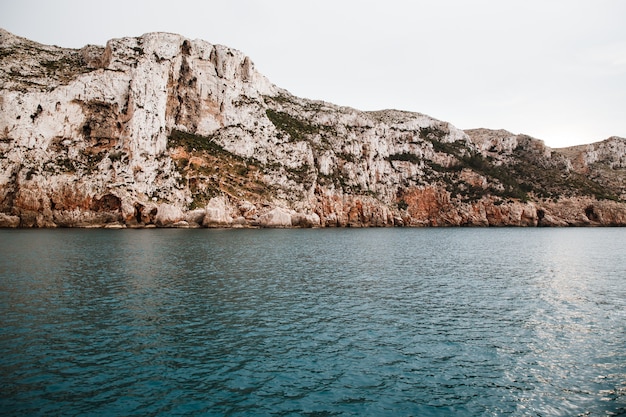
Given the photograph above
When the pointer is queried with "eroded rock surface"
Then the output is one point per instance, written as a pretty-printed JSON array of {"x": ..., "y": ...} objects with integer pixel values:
[{"x": 167, "y": 131}]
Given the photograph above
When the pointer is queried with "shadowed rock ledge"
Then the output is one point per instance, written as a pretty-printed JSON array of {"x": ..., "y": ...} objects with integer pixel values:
[{"x": 164, "y": 131}]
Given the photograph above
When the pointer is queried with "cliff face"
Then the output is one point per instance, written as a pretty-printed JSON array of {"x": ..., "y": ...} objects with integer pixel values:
[{"x": 166, "y": 131}]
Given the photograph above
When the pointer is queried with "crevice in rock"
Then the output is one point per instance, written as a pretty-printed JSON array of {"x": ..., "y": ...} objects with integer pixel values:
[{"x": 591, "y": 214}]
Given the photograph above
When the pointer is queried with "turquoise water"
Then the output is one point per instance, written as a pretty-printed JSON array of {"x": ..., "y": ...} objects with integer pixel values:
[{"x": 372, "y": 322}]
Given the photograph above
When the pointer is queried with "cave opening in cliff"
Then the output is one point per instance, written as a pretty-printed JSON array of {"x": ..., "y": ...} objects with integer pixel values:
[
  {"x": 108, "y": 202},
  {"x": 540, "y": 214},
  {"x": 139, "y": 212},
  {"x": 591, "y": 214}
]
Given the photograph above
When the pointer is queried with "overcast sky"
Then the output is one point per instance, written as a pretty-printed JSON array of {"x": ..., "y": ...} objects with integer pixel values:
[{"x": 553, "y": 69}]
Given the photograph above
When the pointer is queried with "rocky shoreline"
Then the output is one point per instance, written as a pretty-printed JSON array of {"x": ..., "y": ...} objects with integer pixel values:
[{"x": 220, "y": 213}]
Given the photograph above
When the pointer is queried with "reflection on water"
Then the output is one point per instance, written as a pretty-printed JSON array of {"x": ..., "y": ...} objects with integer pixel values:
[{"x": 465, "y": 322}]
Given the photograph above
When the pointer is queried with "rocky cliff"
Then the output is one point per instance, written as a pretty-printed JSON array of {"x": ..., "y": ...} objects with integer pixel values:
[{"x": 165, "y": 131}]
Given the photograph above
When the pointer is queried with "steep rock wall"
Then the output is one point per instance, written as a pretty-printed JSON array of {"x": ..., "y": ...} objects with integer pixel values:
[{"x": 162, "y": 130}]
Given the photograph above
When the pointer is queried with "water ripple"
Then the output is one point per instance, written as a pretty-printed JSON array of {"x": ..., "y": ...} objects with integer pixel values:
[{"x": 313, "y": 322}]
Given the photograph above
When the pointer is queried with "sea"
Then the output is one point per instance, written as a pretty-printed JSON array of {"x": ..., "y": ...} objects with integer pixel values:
[{"x": 313, "y": 322}]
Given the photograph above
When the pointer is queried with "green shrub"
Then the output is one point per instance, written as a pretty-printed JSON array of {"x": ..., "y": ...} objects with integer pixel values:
[
  {"x": 404, "y": 156},
  {"x": 191, "y": 141},
  {"x": 295, "y": 128}
]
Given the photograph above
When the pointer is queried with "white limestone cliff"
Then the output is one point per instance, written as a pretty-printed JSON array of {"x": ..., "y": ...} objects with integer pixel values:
[{"x": 167, "y": 131}]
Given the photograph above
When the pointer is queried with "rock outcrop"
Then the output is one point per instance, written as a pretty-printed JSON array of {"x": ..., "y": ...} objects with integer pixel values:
[{"x": 166, "y": 131}]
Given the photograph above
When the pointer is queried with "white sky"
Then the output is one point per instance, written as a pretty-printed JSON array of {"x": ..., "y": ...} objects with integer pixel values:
[{"x": 553, "y": 69}]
